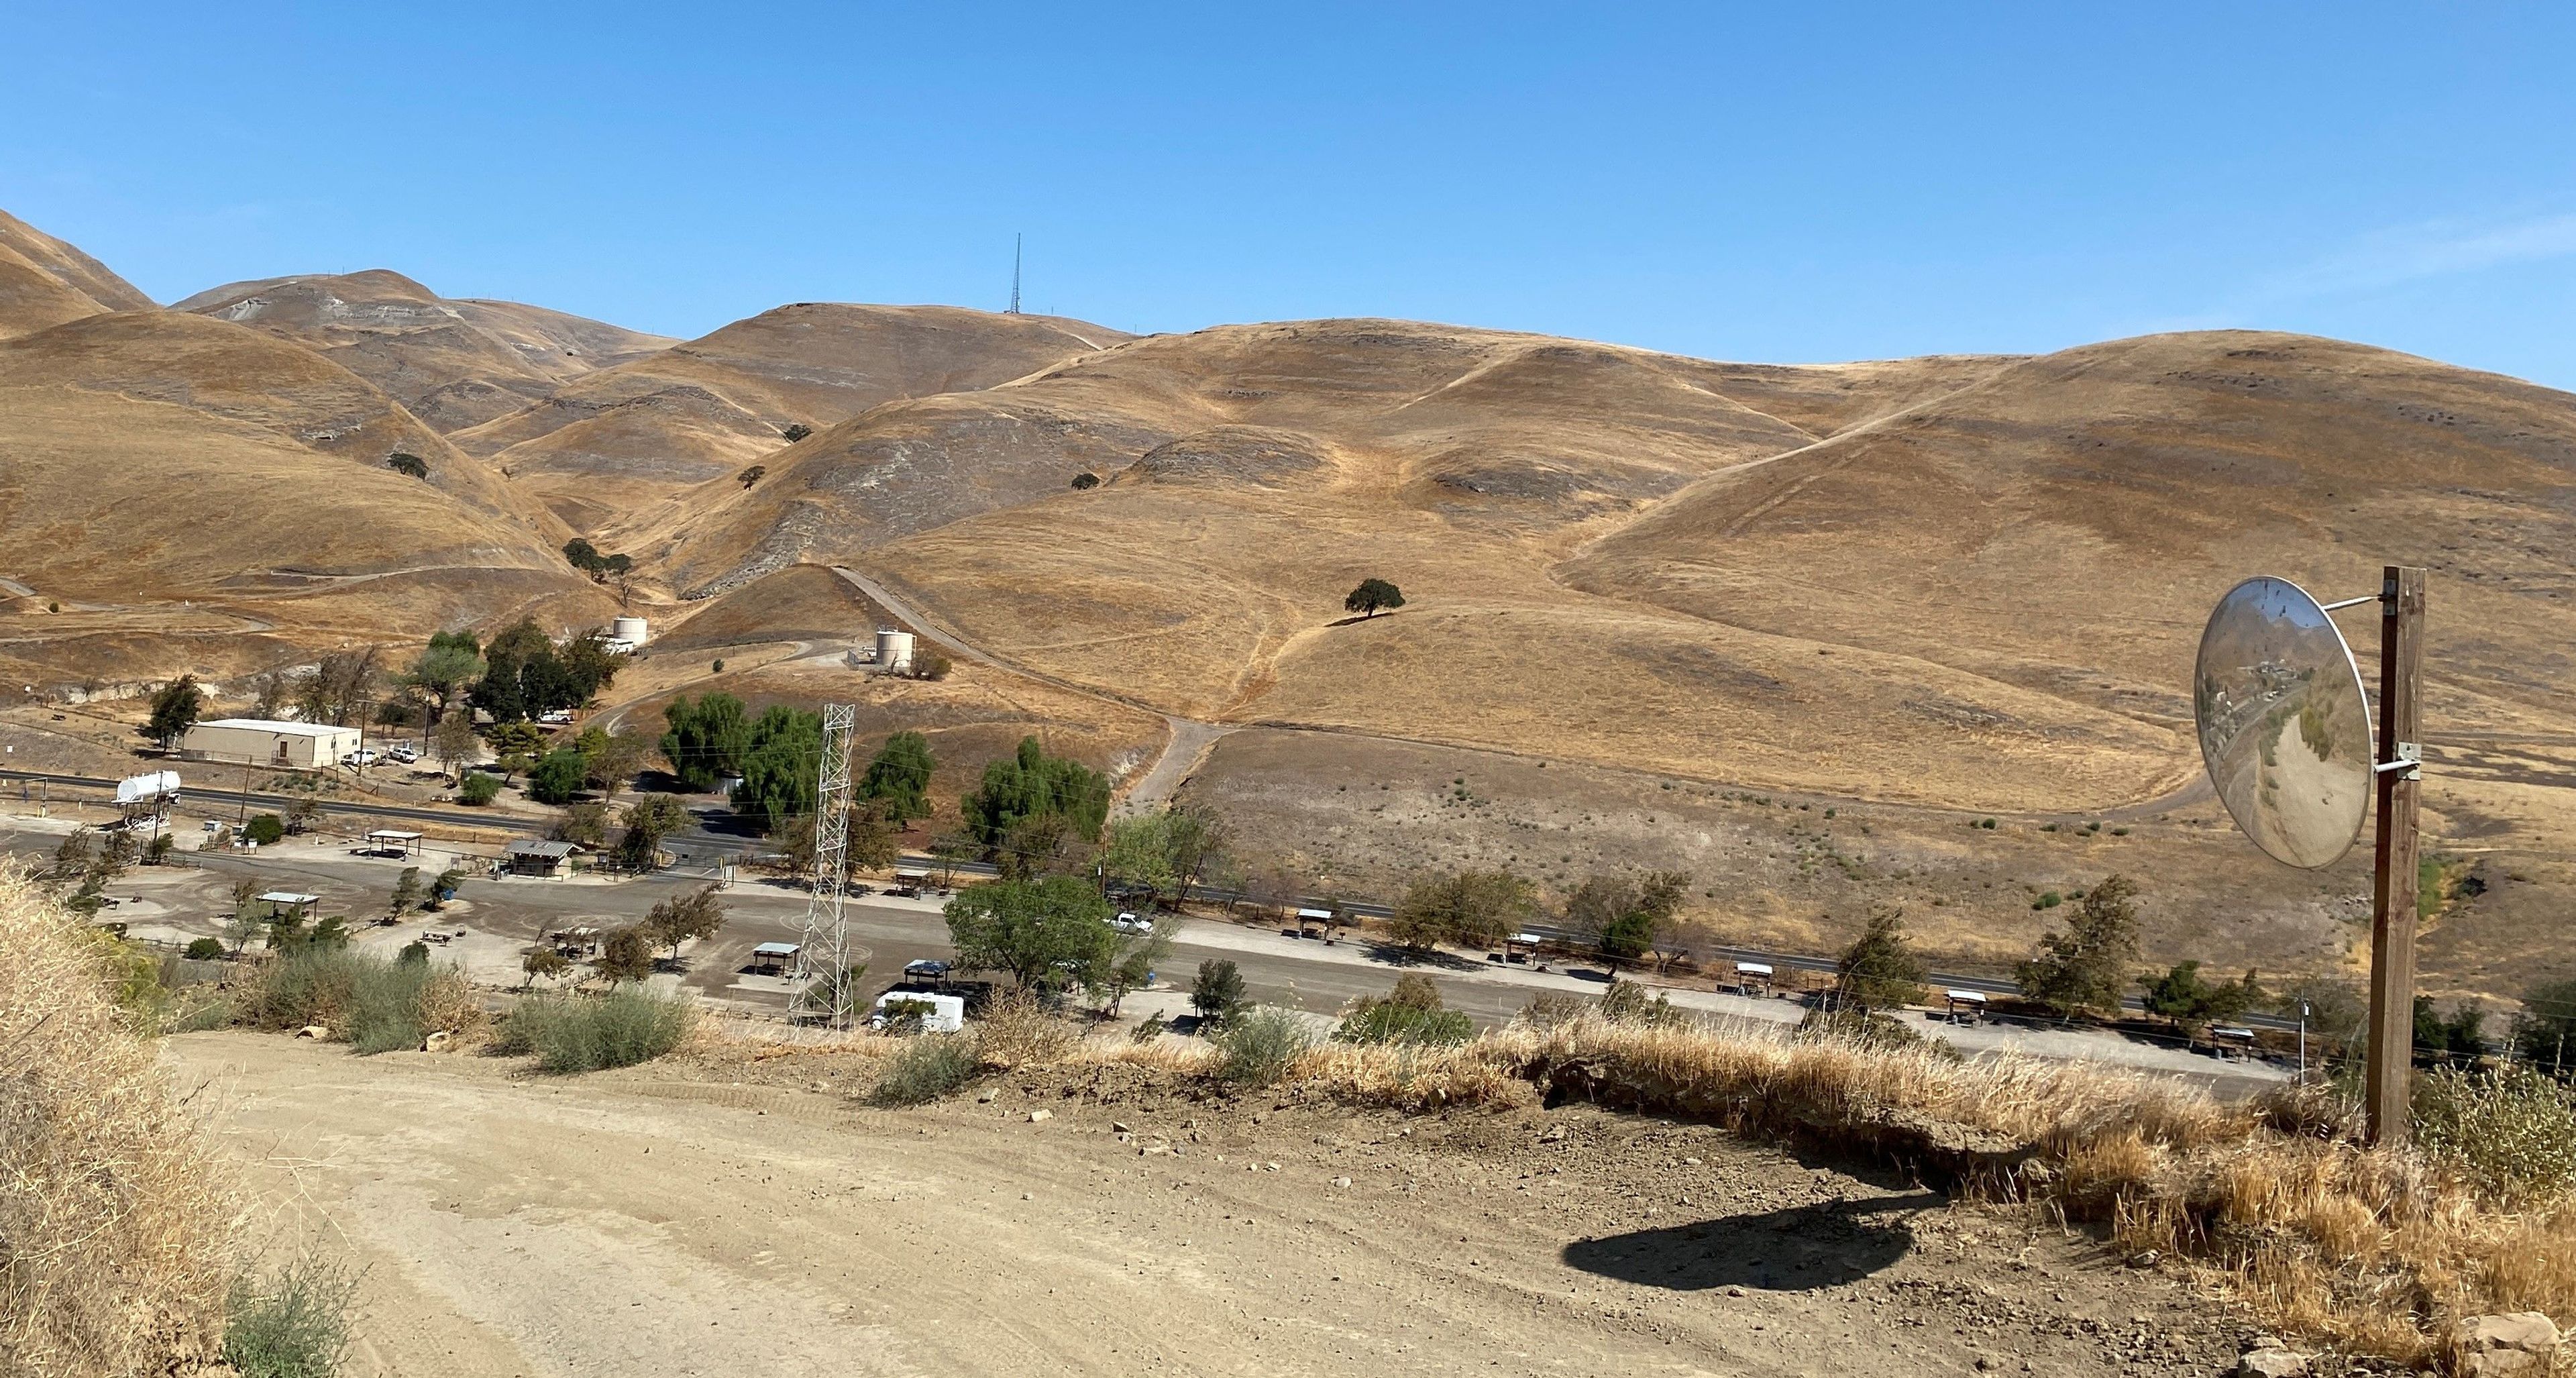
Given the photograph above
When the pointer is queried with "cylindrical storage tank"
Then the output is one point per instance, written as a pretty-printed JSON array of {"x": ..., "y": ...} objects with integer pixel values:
[
  {"x": 628, "y": 629},
  {"x": 894, "y": 650}
]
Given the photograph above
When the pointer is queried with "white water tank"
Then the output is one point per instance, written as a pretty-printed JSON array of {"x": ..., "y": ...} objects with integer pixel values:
[
  {"x": 894, "y": 651},
  {"x": 627, "y": 629}
]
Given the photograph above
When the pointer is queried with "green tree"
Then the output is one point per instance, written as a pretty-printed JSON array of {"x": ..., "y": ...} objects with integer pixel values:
[
  {"x": 454, "y": 740},
  {"x": 1085, "y": 480},
  {"x": 705, "y": 740},
  {"x": 478, "y": 788},
  {"x": 2183, "y": 997},
  {"x": 443, "y": 887},
  {"x": 2086, "y": 966},
  {"x": 1218, "y": 994},
  {"x": 558, "y": 777},
  {"x": 1879, "y": 970},
  {"x": 2460, "y": 1037},
  {"x": 1139, "y": 853},
  {"x": 175, "y": 709},
  {"x": 2544, "y": 1034},
  {"x": 406, "y": 893},
  {"x": 1042, "y": 844},
  {"x": 412, "y": 465},
  {"x": 778, "y": 768},
  {"x": 543, "y": 962},
  {"x": 1627, "y": 916},
  {"x": 73, "y": 855},
  {"x": 1470, "y": 908},
  {"x": 1372, "y": 595},
  {"x": 443, "y": 672},
  {"x": 266, "y": 829},
  {"x": 752, "y": 475},
  {"x": 649, "y": 820},
  {"x": 626, "y": 956},
  {"x": 582, "y": 555},
  {"x": 679, "y": 918},
  {"x": 796, "y": 431},
  {"x": 870, "y": 844},
  {"x": 1031, "y": 783},
  {"x": 1044, "y": 933},
  {"x": 900, "y": 775},
  {"x": 583, "y": 824},
  {"x": 613, "y": 760}
]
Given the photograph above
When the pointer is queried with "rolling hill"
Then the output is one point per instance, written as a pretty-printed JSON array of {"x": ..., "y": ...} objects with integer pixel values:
[
  {"x": 453, "y": 363},
  {"x": 45, "y": 282},
  {"x": 611, "y": 450}
]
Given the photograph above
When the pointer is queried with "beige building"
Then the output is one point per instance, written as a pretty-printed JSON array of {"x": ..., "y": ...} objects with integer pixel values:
[{"x": 260, "y": 742}]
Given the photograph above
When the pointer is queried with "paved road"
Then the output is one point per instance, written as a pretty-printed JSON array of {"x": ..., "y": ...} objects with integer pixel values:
[{"x": 700, "y": 847}]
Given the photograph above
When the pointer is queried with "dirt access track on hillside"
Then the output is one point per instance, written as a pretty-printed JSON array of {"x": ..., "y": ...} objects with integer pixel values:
[{"x": 725, "y": 1216}]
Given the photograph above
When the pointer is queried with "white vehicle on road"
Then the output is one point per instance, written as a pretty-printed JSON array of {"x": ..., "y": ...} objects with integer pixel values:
[
  {"x": 1128, "y": 922},
  {"x": 361, "y": 757},
  {"x": 555, "y": 715},
  {"x": 402, "y": 755}
]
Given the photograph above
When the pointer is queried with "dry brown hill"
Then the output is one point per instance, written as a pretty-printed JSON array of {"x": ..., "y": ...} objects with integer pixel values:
[
  {"x": 45, "y": 282},
  {"x": 609, "y": 450},
  {"x": 2063, "y": 526},
  {"x": 194, "y": 494},
  {"x": 1971, "y": 582},
  {"x": 454, "y": 363}
]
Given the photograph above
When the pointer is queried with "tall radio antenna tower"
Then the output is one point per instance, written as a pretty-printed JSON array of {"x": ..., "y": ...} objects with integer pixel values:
[
  {"x": 1015, "y": 275},
  {"x": 825, "y": 928}
]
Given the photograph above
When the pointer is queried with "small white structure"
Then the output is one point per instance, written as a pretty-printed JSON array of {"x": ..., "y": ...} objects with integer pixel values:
[
  {"x": 894, "y": 651},
  {"x": 629, "y": 630},
  {"x": 393, "y": 842},
  {"x": 774, "y": 956},
  {"x": 1753, "y": 978},
  {"x": 1963, "y": 1006},
  {"x": 947, "y": 1013},
  {"x": 266, "y": 742}
]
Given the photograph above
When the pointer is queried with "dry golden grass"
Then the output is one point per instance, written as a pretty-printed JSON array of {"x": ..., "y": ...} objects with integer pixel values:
[
  {"x": 115, "y": 1223},
  {"x": 2374, "y": 1251}
]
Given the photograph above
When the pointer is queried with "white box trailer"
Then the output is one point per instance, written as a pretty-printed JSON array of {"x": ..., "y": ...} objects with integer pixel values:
[{"x": 947, "y": 1013}]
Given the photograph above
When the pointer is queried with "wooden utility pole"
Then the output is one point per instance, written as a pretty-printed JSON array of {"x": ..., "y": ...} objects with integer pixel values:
[{"x": 2393, "y": 877}]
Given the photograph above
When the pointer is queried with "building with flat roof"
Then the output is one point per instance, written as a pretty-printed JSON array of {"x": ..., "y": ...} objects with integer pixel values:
[{"x": 265, "y": 742}]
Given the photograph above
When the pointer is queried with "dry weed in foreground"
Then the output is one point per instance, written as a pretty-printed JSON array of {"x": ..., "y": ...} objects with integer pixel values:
[
  {"x": 115, "y": 1231},
  {"x": 2378, "y": 1251}
]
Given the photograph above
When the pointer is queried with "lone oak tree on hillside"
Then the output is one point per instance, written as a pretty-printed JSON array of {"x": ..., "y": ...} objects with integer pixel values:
[{"x": 1371, "y": 595}]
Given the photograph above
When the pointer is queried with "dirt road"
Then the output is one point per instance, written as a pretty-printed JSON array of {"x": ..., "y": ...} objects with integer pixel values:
[{"x": 674, "y": 1220}]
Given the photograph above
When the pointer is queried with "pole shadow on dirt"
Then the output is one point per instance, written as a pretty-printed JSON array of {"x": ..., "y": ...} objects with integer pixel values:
[{"x": 1792, "y": 1250}]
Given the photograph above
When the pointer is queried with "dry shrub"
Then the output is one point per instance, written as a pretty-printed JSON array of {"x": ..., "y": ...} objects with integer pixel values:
[
  {"x": 1019, "y": 1031},
  {"x": 2377, "y": 1250},
  {"x": 1411, "y": 1077},
  {"x": 115, "y": 1227}
]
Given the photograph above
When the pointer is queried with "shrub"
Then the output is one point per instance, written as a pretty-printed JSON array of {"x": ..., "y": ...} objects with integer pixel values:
[
  {"x": 1865, "y": 1029},
  {"x": 377, "y": 1005},
  {"x": 1086, "y": 479},
  {"x": 1018, "y": 1029},
  {"x": 205, "y": 949},
  {"x": 1411, "y": 1014},
  {"x": 266, "y": 829},
  {"x": 1549, "y": 1009},
  {"x": 478, "y": 788},
  {"x": 295, "y": 1327},
  {"x": 1625, "y": 1002},
  {"x": 411, "y": 464},
  {"x": 926, "y": 1069},
  {"x": 115, "y": 1230},
  {"x": 570, "y": 1033},
  {"x": 1388, "y": 1022},
  {"x": 2513, "y": 1133},
  {"x": 1260, "y": 1047}
]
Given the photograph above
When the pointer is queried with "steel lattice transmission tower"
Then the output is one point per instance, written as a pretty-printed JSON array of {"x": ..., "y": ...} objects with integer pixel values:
[
  {"x": 824, "y": 956},
  {"x": 1015, "y": 275}
]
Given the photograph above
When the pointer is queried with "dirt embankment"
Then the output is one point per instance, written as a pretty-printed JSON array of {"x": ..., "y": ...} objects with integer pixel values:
[{"x": 719, "y": 1216}]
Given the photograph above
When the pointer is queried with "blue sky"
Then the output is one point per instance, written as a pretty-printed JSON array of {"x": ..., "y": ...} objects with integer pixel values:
[{"x": 1772, "y": 182}]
